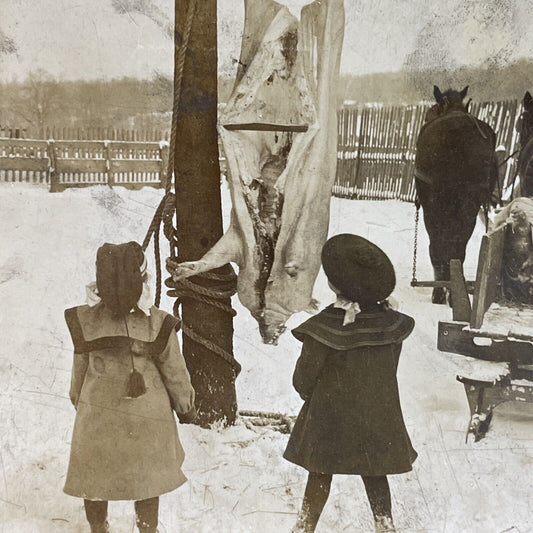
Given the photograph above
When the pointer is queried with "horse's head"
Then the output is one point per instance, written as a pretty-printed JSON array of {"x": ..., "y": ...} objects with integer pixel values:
[
  {"x": 526, "y": 120},
  {"x": 447, "y": 101}
]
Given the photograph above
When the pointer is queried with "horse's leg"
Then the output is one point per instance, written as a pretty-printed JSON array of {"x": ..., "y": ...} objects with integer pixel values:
[
  {"x": 435, "y": 227},
  {"x": 435, "y": 223},
  {"x": 462, "y": 223}
]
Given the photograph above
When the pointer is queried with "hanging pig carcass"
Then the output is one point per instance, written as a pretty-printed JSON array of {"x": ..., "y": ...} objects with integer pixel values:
[{"x": 279, "y": 132}]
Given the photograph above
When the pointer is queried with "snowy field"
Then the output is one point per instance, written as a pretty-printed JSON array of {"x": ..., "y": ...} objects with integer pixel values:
[{"x": 238, "y": 480}]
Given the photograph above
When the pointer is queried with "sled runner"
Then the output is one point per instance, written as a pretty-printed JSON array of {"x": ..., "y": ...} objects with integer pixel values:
[{"x": 491, "y": 329}]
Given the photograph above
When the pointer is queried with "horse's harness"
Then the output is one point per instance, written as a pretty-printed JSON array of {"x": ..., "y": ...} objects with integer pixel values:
[
  {"x": 446, "y": 111},
  {"x": 526, "y": 126},
  {"x": 526, "y": 146}
]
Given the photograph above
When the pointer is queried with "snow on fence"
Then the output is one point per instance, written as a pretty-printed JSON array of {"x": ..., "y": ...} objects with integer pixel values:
[
  {"x": 377, "y": 146},
  {"x": 65, "y": 164}
]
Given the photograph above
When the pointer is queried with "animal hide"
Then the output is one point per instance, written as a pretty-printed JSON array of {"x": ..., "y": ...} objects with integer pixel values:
[
  {"x": 280, "y": 173},
  {"x": 517, "y": 268}
]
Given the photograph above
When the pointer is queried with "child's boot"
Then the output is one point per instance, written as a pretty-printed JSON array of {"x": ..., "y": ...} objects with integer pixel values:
[{"x": 384, "y": 524}]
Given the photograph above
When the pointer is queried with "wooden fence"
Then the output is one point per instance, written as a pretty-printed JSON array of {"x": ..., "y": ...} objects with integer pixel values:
[
  {"x": 377, "y": 146},
  {"x": 376, "y": 152},
  {"x": 65, "y": 164},
  {"x": 85, "y": 134},
  {"x": 105, "y": 133}
]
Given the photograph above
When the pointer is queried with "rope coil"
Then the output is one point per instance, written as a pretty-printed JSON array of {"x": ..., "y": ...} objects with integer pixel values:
[
  {"x": 276, "y": 421},
  {"x": 204, "y": 291}
]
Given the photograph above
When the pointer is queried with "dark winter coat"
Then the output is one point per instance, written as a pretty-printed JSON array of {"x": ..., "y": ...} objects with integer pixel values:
[
  {"x": 351, "y": 421},
  {"x": 126, "y": 448}
]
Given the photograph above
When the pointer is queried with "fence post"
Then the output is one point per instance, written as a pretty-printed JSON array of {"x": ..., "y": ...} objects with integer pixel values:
[
  {"x": 54, "y": 176},
  {"x": 110, "y": 173},
  {"x": 164, "y": 151}
]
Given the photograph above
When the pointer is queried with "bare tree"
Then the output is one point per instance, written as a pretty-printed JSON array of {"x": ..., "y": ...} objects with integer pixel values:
[
  {"x": 146, "y": 8},
  {"x": 39, "y": 98}
]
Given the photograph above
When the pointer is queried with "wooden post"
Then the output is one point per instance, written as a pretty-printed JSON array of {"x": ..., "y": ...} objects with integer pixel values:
[
  {"x": 164, "y": 165},
  {"x": 199, "y": 212},
  {"x": 109, "y": 167},
  {"x": 54, "y": 176}
]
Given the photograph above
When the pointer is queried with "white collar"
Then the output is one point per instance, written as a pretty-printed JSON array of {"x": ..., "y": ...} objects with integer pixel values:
[
  {"x": 144, "y": 304},
  {"x": 351, "y": 309}
]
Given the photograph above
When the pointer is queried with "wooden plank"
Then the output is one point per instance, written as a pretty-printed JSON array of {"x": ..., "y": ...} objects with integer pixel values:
[
  {"x": 267, "y": 126},
  {"x": 128, "y": 145},
  {"x": 488, "y": 277},
  {"x": 454, "y": 337},
  {"x": 33, "y": 144},
  {"x": 461, "y": 307},
  {"x": 134, "y": 165},
  {"x": 80, "y": 165},
  {"x": 24, "y": 163},
  {"x": 80, "y": 145}
]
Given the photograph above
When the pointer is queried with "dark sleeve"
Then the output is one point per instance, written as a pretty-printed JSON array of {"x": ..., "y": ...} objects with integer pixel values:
[{"x": 309, "y": 366}]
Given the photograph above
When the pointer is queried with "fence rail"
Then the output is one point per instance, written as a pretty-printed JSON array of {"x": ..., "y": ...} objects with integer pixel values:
[{"x": 65, "y": 164}]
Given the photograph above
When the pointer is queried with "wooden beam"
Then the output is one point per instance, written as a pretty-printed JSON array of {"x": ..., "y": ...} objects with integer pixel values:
[
  {"x": 199, "y": 212},
  {"x": 461, "y": 306},
  {"x": 267, "y": 126}
]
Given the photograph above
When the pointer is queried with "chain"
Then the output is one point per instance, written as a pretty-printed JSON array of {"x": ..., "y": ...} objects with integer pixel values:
[{"x": 415, "y": 248}]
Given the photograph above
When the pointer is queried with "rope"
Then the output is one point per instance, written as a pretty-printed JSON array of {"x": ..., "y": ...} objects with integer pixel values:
[
  {"x": 210, "y": 293},
  {"x": 166, "y": 206},
  {"x": 227, "y": 356},
  {"x": 199, "y": 298},
  {"x": 178, "y": 82},
  {"x": 277, "y": 421},
  {"x": 165, "y": 213}
]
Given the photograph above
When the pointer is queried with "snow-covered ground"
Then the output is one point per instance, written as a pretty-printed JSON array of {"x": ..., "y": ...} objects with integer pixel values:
[{"x": 238, "y": 480}]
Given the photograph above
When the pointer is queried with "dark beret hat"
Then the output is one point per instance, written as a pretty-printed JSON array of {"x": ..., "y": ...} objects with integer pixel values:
[{"x": 358, "y": 269}]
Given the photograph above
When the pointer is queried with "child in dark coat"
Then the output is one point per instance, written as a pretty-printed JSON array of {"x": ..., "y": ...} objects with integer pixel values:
[
  {"x": 127, "y": 379},
  {"x": 351, "y": 421}
]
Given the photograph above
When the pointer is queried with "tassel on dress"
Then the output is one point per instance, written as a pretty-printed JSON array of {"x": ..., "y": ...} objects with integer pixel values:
[{"x": 136, "y": 385}]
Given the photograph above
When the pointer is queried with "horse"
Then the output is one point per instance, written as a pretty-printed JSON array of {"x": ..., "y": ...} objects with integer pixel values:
[
  {"x": 525, "y": 159},
  {"x": 455, "y": 174}
]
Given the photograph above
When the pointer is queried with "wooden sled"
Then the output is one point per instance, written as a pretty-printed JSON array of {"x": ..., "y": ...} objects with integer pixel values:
[{"x": 489, "y": 328}]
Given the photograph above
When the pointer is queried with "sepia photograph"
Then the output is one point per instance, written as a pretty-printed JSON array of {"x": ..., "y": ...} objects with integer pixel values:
[{"x": 266, "y": 266}]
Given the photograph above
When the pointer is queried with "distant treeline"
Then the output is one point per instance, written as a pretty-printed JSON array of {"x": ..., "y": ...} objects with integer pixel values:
[
  {"x": 486, "y": 84},
  {"x": 42, "y": 102}
]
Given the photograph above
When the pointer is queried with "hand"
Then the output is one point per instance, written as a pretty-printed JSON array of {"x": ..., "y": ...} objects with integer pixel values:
[
  {"x": 187, "y": 418},
  {"x": 184, "y": 270}
]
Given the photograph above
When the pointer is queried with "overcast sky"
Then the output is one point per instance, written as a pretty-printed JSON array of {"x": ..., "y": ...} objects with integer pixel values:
[{"x": 75, "y": 39}]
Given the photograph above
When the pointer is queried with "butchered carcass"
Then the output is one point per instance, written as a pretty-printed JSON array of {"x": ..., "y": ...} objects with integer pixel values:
[
  {"x": 517, "y": 266},
  {"x": 279, "y": 132}
]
